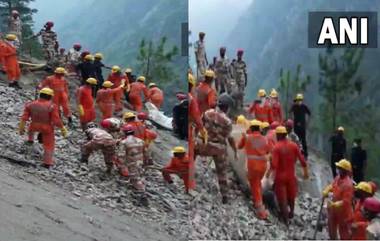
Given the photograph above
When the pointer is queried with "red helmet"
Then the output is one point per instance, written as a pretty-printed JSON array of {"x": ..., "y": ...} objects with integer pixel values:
[
  {"x": 77, "y": 46},
  {"x": 181, "y": 96},
  {"x": 374, "y": 186},
  {"x": 274, "y": 125},
  {"x": 128, "y": 129},
  {"x": 240, "y": 51},
  {"x": 372, "y": 204},
  {"x": 106, "y": 124},
  {"x": 142, "y": 116},
  {"x": 49, "y": 24},
  {"x": 289, "y": 123},
  {"x": 84, "y": 53}
]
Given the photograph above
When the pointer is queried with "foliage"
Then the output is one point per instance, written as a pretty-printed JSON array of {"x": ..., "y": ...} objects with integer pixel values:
[
  {"x": 154, "y": 60},
  {"x": 26, "y": 14},
  {"x": 289, "y": 86}
]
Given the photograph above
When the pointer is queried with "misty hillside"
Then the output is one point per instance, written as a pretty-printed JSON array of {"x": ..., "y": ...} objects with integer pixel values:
[{"x": 275, "y": 37}]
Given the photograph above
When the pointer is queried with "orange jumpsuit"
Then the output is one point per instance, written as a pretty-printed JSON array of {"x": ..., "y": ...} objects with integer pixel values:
[
  {"x": 256, "y": 147},
  {"x": 2, "y": 60},
  {"x": 61, "y": 92},
  {"x": 359, "y": 232},
  {"x": 105, "y": 101},
  {"x": 116, "y": 79},
  {"x": 343, "y": 190},
  {"x": 181, "y": 167},
  {"x": 272, "y": 139},
  {"x": 138, "y": 89},
  {"x": 261, "y": 111},
  {"x": 284, "y": 157},
  {"x": 44, "y": 116},
  {"x": 84, "y": 98},
  {"x": 8, "y": 56},
  {"x": 206, "y": 97},
  {"x": 194, "y": 119},
  {"x": 156, "y": 96},
  {"x": 277, "y": 111}
]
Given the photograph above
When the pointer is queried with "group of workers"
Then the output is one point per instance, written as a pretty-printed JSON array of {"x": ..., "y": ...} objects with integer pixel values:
[{"x": 272, "y": 145}]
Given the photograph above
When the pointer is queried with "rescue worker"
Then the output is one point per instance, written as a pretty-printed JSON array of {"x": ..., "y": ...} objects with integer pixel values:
[
  {"x": 358, "y": 161},
  {"x": 264, "y": 128},
  {"x": 8, "y": 54},
  {"x": 43, "y": 116},
  {"x": 289, "y": 124},
  {"x": 156, "y": 95},
  {"x": 137, "y": 89},
  {"x": 74, "y": 57},
  {"x": 340, "y": 204},
  {"x": 257, "y": 149},
  {"x": 113, "y": 126},
  {"x": 200, "y": 55},
  {"x": 284, "y": 157},
  {"x": 260, "y": 108},
  {"x": 362, "y": 191},
  {"x": 219, "y": 129},
  {"x": 98, "y": 65},
  {"x": 181, "y": 165},
  {"x": 360, "y": 222},
  {"x": 240, "y": 75},
  {"x": 205, "y": 94},
  {"x": 223, "y": 82},
  {"x": 58, "y": 84},
  {"x": 105, "y": 99},
  {"x": 87, "y": 68},
  {"x": 276, "y": 107},
  {"x": 85, "y": 101},
  {"x": 116, "y": 78},
  {"x": 338, "y": 148},
  {"x": 101, "y": 140},
  {"x": 243, "y": 122},
  {"x": 131, "y": 78},
  {"x": 15, "y": 26},
  {"x": 141, "y": 131},
  {"x": 61, "y": 58},
  {"x": 300, "y": 111},
  {"x": 195, "y": 124},
  {"x": 132, "y": 148},
  {"x": 50, "y": 43},
  {"x": 180, "y": 116}
]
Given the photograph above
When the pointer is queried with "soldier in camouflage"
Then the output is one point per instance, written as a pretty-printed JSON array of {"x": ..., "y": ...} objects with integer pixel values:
[
  {"x": 61, "y": 60},
  {"x": 200, "y": 55},
  {"x": 49, "y": 42},
  {"x": 15, "y": 26},
  {"x": 133, "y": 150},
  {"x": 239, "y": 69},
  {"x": 219, "y": 129},
  {"x": 224, "y": 80},
  {"x": 99, "y": 139}
]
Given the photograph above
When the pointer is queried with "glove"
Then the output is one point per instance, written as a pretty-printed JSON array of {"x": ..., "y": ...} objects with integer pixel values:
[
  {"x": 81, "y": 110},
  {"x": 21, "y": 127},
  {"x": 64, "y": 132},
  {"x": 203, "y": 133},
  {"x": 305, "y": 173},
  {"x": 326, "y": 191}
]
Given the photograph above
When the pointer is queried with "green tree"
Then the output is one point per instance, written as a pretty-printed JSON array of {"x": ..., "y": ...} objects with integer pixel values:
[
  {"x": 30, "y": 46},
  {"x": 289, "y": 86},
  {"x": 156, "y": 61},
  {"x": 337, "y": 84}
]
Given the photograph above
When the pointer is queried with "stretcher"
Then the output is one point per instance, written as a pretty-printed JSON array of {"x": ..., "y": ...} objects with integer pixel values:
[
  {"x": 31, "y": 66},
  {"x": 158, "y": 117}
]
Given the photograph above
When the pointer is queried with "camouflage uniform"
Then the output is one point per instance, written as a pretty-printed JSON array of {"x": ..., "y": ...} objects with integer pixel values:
[
  {"x": 239, "y": 70},
  {"x": 49, "y": 44},
  {"x": 224, "y": 80},
  {"x": 219, "y": 128},
  {"x": 15, "y": 27},
  {"x": 103, "y": 141},
  {"x": 200, "y": 56},
  {"x": 62, "y": 59},
  {"x": 133, "y": 151}
]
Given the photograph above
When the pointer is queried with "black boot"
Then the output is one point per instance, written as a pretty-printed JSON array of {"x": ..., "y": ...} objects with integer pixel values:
[
  {"x": 16, "y": 85},
  {"x": 70, "y": 120},
  {"x": 12, "y": 84}
]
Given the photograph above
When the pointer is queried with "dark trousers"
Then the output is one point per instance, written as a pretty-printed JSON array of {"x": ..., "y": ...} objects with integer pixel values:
[
  {"x": 358, "y": 174},
  {"x": 335, "y": 158},
  {"x": 301, "y": 133}
]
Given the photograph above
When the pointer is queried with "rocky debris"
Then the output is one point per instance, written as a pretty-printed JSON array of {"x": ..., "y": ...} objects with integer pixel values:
[
  {"x": 168, "y": 204},
  {"x": 210, "y": 219}
]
